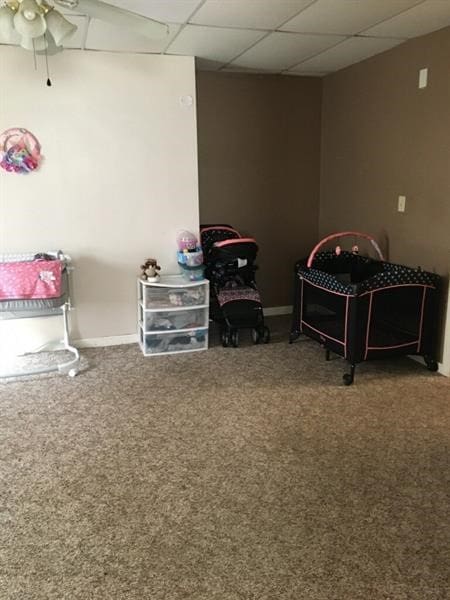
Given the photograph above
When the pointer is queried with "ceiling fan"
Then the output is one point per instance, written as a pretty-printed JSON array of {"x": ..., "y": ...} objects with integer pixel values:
[{"x": 36, "y": 24}]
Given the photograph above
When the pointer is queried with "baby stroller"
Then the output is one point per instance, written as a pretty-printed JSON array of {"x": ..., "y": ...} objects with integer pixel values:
[{"x": 230, "y": 267}]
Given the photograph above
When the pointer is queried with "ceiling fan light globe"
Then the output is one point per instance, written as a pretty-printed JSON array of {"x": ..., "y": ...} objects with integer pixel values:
[
  {"x": 8, "y": 34},
  {"x": 36, "y": 44},
  {"x": 52, "y": 48},
  {"x": 29, "y": 28},
  {"x": 59, "y": 27}
]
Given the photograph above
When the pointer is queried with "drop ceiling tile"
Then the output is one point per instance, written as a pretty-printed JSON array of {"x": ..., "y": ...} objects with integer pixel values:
[
  {"x": 213, "y": 43},
  {"x": 105, "y": 36},
  {"x": 202, "y": 64},
  {"x": 168, "y": 11},
  {"x": 423, "y": 18},
  {"x": 282, "y": 50},
  {"x": 345, "y": 16},
  {"x": 251, "y": 14},
  {"x": 351, "y": 51}
]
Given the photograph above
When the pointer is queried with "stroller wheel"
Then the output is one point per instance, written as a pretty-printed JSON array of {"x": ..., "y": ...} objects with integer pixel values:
[
  {"x": 235, "y": 338},
  {"x": 266, "y": 335},
  {"x": 225, "y": 339},
  {"x": 256, "y": 336}
]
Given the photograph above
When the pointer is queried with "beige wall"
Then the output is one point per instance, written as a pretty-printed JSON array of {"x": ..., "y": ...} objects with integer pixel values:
[
  {"x": 259, "y": 160},
  {"x": 383, "y": 137},
  {"x": 119, "y": 177},
  {"x": 259, "y": 164}
]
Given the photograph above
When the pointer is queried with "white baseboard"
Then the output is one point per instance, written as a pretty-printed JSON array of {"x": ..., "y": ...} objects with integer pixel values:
[
  {"x": 132, "y": 338},
  {"x": 443, "y": 371},
  {"x": 274, "y": 311},
  {"x": 113, "y": 340}
]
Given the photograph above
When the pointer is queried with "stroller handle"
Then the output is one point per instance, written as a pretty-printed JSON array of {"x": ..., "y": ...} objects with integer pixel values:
[
  {"x": 206, "y": 228},
  {"x": 333, "y": 236},
  {"x": 234, "y": 241}
]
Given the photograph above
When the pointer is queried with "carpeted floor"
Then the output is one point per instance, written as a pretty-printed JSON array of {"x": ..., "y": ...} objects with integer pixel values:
[{"x": 233, "y": 474}]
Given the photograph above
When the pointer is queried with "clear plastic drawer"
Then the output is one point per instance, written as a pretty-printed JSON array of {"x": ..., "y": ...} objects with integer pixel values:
[
  {"x": 193, "y": 318},
  {"x": 165, "y": 297},
  {"x": 172, "y": 342}
]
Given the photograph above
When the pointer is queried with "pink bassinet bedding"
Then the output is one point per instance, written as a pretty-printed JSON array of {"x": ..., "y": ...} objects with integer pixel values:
[{"x": 28, "y": 280}]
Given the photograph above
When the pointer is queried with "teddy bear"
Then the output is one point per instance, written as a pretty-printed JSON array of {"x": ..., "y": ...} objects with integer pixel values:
[{"x": 150, "y": 270}]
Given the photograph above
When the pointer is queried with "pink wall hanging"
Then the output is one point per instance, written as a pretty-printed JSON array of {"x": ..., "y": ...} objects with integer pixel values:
[{"x": 20, "y": 151}]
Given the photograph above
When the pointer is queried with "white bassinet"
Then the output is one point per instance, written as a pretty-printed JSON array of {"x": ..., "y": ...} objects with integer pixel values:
[{"x": 43, "y": 307}]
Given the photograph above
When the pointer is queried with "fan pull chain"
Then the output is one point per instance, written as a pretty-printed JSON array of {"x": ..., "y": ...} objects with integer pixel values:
[
  {"x": 34, "y": 56},
  {"x": 49, "y": 83}
]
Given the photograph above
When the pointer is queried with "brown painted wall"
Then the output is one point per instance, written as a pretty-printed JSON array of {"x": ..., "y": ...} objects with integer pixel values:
[
  {"x": 259, "y": 167},
  {"x": 383, "y": 137}
]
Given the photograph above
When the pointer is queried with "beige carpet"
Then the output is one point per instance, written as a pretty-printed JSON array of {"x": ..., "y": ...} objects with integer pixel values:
[{"x": 234, "y": 474}]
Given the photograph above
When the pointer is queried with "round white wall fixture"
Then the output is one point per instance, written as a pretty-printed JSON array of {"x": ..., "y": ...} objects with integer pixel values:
[{"x": 186, "y": 100}]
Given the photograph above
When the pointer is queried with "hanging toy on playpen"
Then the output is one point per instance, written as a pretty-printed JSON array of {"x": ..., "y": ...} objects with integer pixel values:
[
  {"x": 20, "y": 151},
  {"x": 338, "y": 249}
]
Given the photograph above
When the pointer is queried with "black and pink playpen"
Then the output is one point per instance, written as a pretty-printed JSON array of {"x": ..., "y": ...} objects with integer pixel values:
[{"x": 363, "y": 308}]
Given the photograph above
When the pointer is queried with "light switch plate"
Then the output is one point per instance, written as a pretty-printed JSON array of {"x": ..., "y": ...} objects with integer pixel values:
[{"x": 423, "y": 78}]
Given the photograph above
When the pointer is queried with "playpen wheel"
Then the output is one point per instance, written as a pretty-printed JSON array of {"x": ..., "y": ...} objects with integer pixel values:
[
  {"x": 72, "y": 372},
  {"x": 256, "y": 337},
  {"x": 432, "y": 365},
  {"x": 293, "y": 336},
  {"x": 266, "y": 335},
  {"x": 235, "y": 338},
  {"x": 225, "y": 339},
  {"x": 348, "y": 379}
]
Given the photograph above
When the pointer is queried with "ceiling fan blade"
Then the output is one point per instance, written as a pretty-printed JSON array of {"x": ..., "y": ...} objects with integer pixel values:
[{"x": 118, "y": 16}]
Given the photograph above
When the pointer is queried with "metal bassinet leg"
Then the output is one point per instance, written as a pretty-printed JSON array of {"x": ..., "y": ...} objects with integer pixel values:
[{"x": 70, "y": 367}]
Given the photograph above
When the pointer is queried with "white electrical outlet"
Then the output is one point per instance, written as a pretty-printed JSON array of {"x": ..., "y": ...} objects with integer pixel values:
[{"x": 401, "y": 203}]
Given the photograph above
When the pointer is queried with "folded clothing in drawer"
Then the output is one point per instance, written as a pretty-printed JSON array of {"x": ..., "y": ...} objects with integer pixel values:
[
  {"x": 158, "y": 343},
  {"x": 30, "y": 280},
  {"x": 182, "y": 319}
]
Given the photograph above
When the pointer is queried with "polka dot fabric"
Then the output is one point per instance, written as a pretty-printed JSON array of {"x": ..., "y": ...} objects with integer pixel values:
[
  {"x": 393, "y": 275},
  {"x": 30, "y": 279},
  {"x": 336, "y": 273},
  {"x": 211, "y": 235},
  {"x": 239, "y": 293}
]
